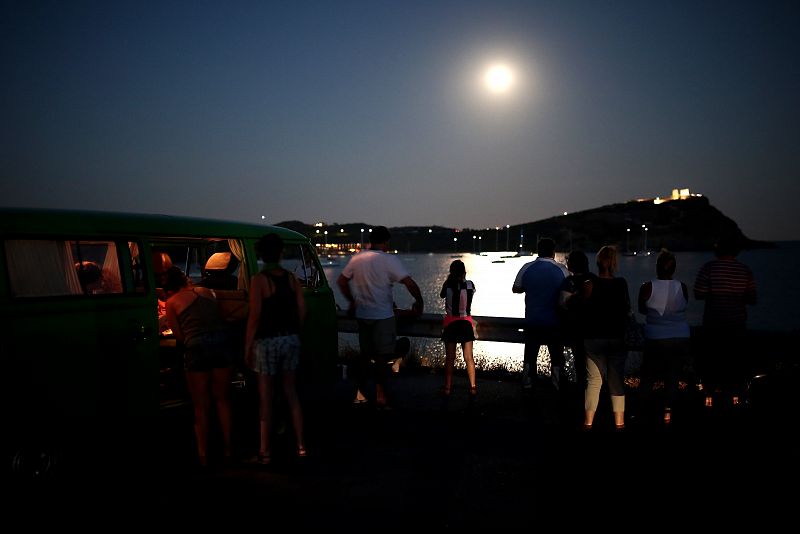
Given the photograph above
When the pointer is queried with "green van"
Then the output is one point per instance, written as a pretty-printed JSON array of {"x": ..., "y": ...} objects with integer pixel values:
[{"x": 83, "y": 343}]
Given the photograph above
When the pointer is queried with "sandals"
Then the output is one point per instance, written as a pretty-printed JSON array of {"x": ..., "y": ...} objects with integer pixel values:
[{"x": 302, "y": 452}]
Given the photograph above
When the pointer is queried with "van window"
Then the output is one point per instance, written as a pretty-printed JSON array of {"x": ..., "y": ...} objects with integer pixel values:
[
  {"x": 214, "y": 263},
  {"x": 40, "y": 267},
  {"x": 300, "y": 260}
]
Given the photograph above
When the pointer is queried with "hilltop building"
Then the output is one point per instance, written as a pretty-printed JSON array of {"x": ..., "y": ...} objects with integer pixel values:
[{"x": 677, "y": 194}]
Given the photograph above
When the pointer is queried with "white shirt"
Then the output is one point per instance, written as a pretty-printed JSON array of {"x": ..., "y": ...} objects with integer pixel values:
[{"x": 372, "y": 274}]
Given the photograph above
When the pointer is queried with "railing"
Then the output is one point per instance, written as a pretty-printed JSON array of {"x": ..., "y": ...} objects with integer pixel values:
[
  {"x": 765, "y": 348},
  {"x": 507, "y": 329}
]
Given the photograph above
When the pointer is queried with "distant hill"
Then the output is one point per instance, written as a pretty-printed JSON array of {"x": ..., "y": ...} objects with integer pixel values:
[{"x": 679, "y": 225}]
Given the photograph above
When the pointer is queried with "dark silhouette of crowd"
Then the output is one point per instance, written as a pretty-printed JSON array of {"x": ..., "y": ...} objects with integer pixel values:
[{"x": 573, "y": 317}]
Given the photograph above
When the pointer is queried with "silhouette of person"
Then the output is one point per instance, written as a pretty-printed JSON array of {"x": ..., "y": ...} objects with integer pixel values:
[
  {"x": 272, "y": 342},
  {"x": 603, "y": 306},
  {"x": 195, "y": 319},
  {"x": 541, "y": 282},
  {"x": 578, "y": 266},
  {"x": 458, "y": 326},
  {"x": 667, "y": 350},
  {"x": 727, "y": 286},
  {"x": 366, "y": 282}
]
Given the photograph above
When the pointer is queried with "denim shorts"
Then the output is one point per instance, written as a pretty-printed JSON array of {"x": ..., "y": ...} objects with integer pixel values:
[{"x": 207, "y": 352}]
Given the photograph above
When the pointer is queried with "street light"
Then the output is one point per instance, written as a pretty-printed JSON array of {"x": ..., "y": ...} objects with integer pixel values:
[
  {"x": 644, "y": 237},
  {"x": 473, "y": 243},
  {"x": 479, "y": 243},
  {"x": 455, "y": 245},
  {"x": 645, "y": 240},
  {"x": 507, "y": 230},
  {"x": 627, "y": 240},
  {"x": 496, "y": 235},
  {"x": 326, "y": 239},
  {"x": 362, "y": 239}
]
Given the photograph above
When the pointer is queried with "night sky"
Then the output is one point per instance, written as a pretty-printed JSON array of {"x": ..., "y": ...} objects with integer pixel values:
[{"x": 377, "y": 111}]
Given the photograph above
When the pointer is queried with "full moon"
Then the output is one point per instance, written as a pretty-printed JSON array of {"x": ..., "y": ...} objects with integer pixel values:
[{"x": 498, "y": 78}]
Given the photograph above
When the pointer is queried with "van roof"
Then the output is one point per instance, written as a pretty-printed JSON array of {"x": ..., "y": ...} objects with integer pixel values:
[{"x": 27, "y": 221}]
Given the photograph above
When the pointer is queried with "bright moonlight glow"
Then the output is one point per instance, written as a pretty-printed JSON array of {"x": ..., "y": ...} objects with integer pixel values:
[{"x": 498, "y": 78}]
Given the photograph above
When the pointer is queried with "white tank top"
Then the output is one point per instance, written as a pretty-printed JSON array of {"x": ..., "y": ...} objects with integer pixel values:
[{"x": 666, "y": 311}]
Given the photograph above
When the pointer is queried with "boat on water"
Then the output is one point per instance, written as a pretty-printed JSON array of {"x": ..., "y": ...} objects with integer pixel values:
[{"x": 498, "y": 261}]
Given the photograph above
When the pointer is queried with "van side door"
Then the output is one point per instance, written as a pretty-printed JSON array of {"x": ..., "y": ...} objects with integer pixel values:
[
  {"x": 320, "y": 334},
  {"x": 79, "y": 328}
]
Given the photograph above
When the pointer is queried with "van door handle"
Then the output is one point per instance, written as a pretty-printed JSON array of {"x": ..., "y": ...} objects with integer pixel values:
[{"x": 142, "y": 333}]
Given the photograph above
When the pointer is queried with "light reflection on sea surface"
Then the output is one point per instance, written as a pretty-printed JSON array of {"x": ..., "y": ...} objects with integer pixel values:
[{"x": 778, "y": 288}]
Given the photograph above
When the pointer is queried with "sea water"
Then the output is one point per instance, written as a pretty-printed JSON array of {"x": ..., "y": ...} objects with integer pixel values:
[{"x": 493, "y": 273}]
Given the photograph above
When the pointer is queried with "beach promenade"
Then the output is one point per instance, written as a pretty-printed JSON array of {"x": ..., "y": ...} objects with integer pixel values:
[{"x": 508, "y": 459}]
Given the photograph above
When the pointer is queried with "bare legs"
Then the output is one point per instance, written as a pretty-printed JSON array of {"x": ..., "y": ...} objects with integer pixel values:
[
  {"x": 221, "y": 389},
  {"x": 219, "y": 381},
  {"x": 466, "y": 348},
  {"x": 265, "y": 391},
  {"x": 449, "y": 364},
  {"x": 201, "y": 400}
]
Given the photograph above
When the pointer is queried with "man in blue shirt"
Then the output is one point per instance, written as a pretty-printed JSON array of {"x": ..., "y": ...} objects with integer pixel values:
[{"x": 541, "y": 282}]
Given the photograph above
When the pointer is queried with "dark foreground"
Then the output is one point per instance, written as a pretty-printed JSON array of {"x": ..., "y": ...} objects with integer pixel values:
[{"x": 508, "y": 459}]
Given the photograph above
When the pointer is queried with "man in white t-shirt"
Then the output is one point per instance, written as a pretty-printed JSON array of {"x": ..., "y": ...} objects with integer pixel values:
[{"x": 366, "y": 282}]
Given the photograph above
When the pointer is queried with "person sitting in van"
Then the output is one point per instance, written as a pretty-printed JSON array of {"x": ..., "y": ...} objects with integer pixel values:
[
  {"x": 196, "y": 321},
  {"x": 89, "y": 275},
  {"x": 96, "y": 280}
]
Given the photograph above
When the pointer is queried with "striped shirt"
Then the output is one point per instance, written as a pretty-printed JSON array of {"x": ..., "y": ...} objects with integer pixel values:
[{"x": 727, "y": 286}]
